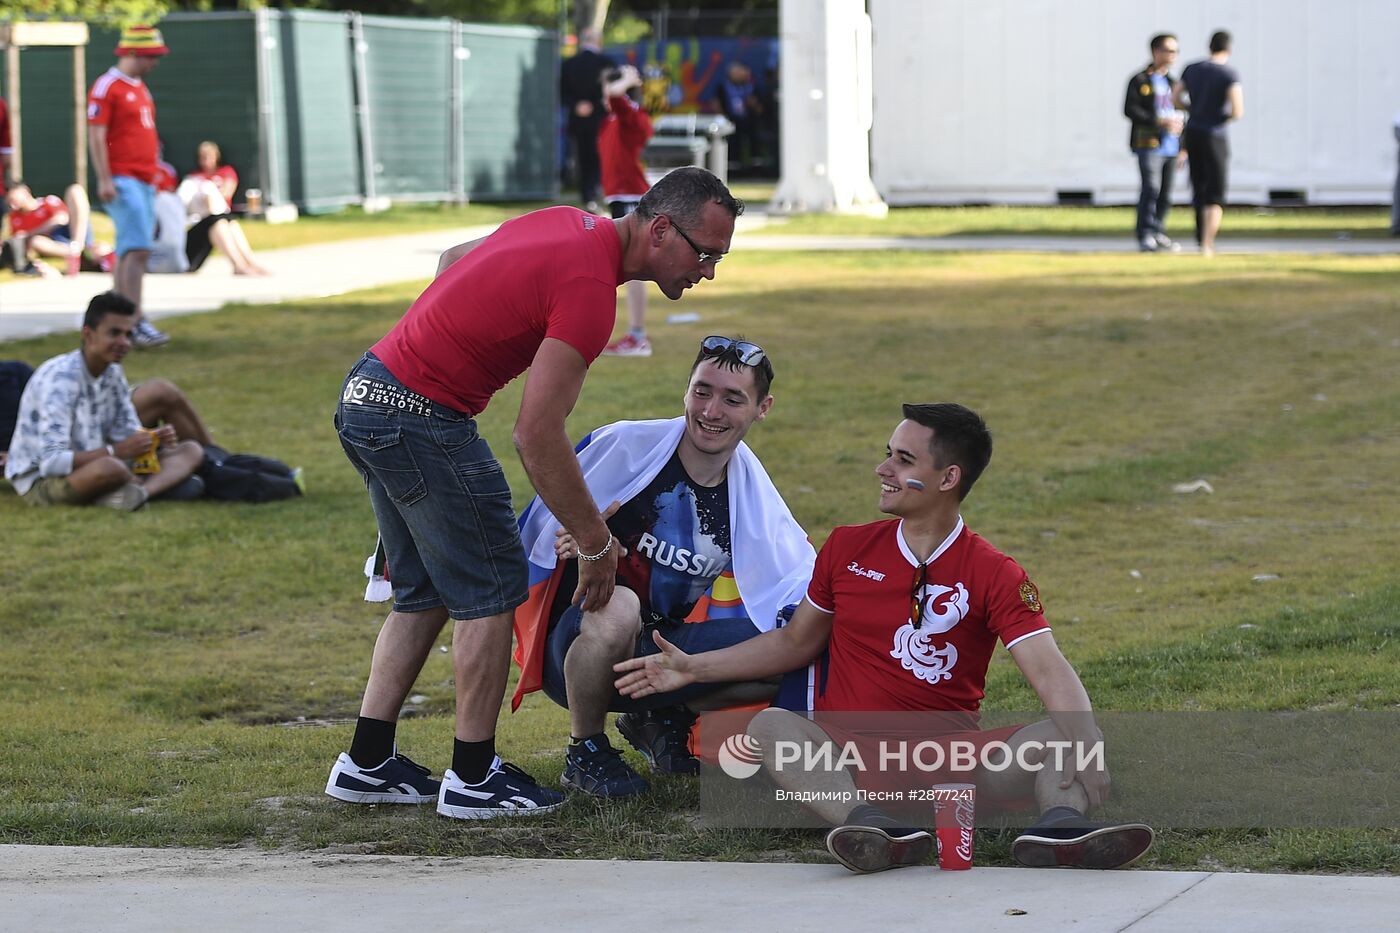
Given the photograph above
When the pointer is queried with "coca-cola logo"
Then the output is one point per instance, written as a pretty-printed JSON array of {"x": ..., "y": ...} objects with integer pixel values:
[
  {"x": 963, "y": 812},
  {"x": 964, "y": 846}
]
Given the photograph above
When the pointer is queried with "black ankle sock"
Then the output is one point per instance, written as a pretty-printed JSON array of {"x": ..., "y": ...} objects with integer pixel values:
[
  {"x": 599, "y": 738},
  {"x": 472, "y": 760},
  {"x": 373, "y": 743},
  {"x": 1055, "y": 814}
]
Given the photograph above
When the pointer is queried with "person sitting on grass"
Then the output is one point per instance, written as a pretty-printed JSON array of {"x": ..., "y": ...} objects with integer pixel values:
[
  {"x": 54, "y": 227},
  {"x": 710, "y": 556},
  {"x": 905, "y": 615},
  {"x": 185, "y": 237},
  {"x": 77, "y": 431}
]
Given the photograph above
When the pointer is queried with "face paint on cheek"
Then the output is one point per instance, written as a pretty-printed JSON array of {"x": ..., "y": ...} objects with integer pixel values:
[{"x": 914, "y": 484}]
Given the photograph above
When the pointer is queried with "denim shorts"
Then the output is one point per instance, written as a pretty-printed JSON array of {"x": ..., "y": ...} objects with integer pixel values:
[
  {"x": 690, "y": 637},
  {"x": 440, "y": 498},
  {"x": 133, "y": 213}
]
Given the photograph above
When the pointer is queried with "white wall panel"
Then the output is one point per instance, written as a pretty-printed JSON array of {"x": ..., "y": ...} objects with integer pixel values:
[{"x": 1021, "y": 100}]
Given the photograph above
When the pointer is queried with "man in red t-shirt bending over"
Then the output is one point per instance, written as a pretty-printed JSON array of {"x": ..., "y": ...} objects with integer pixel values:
[
  {"x": 908, "y": 612},
  {"x": 539, "y": 293}
]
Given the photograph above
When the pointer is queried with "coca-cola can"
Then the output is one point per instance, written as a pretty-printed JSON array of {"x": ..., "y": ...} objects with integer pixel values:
[{"x": 955, "y": 808}]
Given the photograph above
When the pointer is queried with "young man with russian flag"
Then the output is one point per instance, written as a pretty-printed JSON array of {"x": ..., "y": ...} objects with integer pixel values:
[{"x": 711, "y": 557}]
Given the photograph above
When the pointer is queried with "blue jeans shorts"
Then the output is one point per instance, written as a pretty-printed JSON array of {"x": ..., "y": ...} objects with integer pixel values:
[
  {"x": 440, "y": 498},
  {"x": 133, "y": 213},
  {"x": 690, "y": 637}
]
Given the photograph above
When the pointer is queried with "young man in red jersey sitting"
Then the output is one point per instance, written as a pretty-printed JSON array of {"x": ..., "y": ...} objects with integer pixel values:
[{"x": 908, "y": 612}]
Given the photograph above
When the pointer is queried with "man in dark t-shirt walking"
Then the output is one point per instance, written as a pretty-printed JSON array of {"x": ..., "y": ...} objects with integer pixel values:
[
  {"x": 1211, "y": 91},
  {"x": 710, "y": 555}
]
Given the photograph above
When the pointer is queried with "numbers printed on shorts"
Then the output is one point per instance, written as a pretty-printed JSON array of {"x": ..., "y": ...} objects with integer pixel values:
[{"x": 360, "y": 390}]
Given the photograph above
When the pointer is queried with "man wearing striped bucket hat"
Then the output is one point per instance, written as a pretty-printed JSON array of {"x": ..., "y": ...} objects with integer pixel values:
[{"x": 124, "y": 147}]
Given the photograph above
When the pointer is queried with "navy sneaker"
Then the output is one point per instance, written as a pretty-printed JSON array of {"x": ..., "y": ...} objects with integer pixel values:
[
  {"x": 594, "y": 767},
  {"x": 867, "y": 849},
  {"x": 663, "y": 738},
  {"x": 506, "y": 791},
  {"x": 398, "y": 780},
  {"x": 1077, "y": 843}
]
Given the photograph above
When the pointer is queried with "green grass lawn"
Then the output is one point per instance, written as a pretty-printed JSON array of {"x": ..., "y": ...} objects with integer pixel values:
[{"x": 186, "y": 675}]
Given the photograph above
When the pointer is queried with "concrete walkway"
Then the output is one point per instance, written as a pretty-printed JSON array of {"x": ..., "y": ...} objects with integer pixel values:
[
  {"x": 68, "y": 888},
  {"x": 30, "y": 307}
]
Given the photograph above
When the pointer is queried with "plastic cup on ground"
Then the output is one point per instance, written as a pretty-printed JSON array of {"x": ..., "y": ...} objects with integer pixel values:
[{"x": 955, "y": 807}]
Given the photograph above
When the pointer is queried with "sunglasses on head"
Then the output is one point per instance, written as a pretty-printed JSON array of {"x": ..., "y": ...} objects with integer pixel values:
[{"x": 750, "y": 354}]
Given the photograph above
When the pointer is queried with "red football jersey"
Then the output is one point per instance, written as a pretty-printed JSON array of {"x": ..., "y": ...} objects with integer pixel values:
[
  {"x": 125, "y": 107},
  {"x": 621, "y": 139},
  {"x": 877, "y": 661},
  {"x": 25, "y": 222},
  {"x": 219, "y": 174},
  {"x": 551, "y": 273},
  {"x": 165, "y": 178}
]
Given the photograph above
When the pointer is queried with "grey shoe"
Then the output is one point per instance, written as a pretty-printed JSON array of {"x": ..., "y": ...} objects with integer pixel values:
[
  {"x": 1147, "y": 244},
  {"x": 1165, "y": 242},
  {"x": 146, "y": 335},
  {"x": 189, "y": 488},
  {"x": 126, "y": 498}
]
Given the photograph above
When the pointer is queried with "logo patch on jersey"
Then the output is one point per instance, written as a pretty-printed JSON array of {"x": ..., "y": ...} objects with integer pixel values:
[
  {"x": 1031, "y": 597},
  {"x": 860, "y": 571},
  {"x": 920, "y": 657}
]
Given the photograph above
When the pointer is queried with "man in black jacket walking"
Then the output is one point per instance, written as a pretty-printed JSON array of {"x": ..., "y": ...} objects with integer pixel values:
[{"x": 581, "y": 91}]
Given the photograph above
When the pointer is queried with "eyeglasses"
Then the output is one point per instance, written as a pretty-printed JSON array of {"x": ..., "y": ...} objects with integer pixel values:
[
  {"x": 700, "y": 254},
  {"x": 916, "y": 597},
  {"x": 750, "y": 354}
]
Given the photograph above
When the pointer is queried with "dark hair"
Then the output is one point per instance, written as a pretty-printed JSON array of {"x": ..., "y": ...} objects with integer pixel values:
[
  {"x": 1219, "y": 41},
  {"x": 959, "y": 436},
  {"x": 683, "y": 194},
  {"x": 105, "y": 304},
  {"x": 1160, "y": 40},
  {"x": 729, "y": 359}
]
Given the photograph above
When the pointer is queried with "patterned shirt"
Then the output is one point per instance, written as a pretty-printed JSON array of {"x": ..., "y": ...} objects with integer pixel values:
[{"x": 65, "y": 410}]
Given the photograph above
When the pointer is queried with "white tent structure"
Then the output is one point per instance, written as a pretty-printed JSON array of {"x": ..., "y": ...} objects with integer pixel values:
[{"x": 1021, "y": 101}]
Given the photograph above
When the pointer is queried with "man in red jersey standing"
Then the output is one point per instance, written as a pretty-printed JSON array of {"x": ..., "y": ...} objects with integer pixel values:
[
  {"x": 908, "y": 612},
  {"x": 124, "y": 148},
  {"x": 539, "y": 294}
]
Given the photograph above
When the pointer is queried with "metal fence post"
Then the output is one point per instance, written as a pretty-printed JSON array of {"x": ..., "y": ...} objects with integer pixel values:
[
  {"x": 457, "y": 147},
  {"x": 269, "y": 173},
  {"x": 367, "y": 162}
]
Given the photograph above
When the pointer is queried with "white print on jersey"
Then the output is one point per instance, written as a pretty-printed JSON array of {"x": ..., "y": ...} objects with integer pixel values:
[
  {"x": 860, "y": 571},
  {"x": 942, "y": 607},
  {"x": 668, "y": 555}
]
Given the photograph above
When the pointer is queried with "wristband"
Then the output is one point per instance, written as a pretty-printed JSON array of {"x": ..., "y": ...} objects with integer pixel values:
[
  {"x": 600, "y": 555},
  {"x": 111, "y": 452}
]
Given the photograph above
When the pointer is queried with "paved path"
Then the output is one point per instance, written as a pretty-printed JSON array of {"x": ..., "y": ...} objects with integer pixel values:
[
  {"x": 30, "y": 307},
  {"x": 69, "y": 888}
]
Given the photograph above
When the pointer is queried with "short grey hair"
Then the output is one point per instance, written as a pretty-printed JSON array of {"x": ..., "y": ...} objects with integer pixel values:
[{"x": 683, "y": 194}]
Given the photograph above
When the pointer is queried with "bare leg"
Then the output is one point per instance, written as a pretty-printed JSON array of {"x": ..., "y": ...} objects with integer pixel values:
[
  {"x": 1014, "y": 783},
  {"x": 128, "y": 271},
  {"x": 222, "y": 239},
  {"x": 240, "y": 242},
  {"x": 175, "y": 467},
  {"x": 637, "y": 306},
  {"x": 41, "y": 245},
  {"x": 78, "y": 213},
  {"x": 836, "y": 789},
  {"x": 403, "y": 645},
  {"x": 481, "y": 662},
  {"x": 1210, "y": 215},
  {"x": 605, "y": 638},
  {"x": 158, "y": 400},
  {"x": 99, "y": 476}
]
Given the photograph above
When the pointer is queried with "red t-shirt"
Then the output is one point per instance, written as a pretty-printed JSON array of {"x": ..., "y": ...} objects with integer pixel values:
[
  {"x": 218, "y": 175},
  {"x": 551, "y": 273},
  {"x": 621, "y": 139},
  {"x": 165, "y": 178},
  {"x": 876, "y": 660},
  {"x": 25, "y": 222},
  {"x": 125, "y": 107}
]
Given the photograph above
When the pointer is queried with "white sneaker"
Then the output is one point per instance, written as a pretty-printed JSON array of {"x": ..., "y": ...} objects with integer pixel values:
[
  {"x": 146, "y": 335},
  {"x": 126, "y": 498},
  {"x": 628, "y": 346}
]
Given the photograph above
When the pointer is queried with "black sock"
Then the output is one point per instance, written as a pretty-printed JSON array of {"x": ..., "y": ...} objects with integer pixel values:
[
  {"x": 472, "y": 760},
  {"x": 373, "y": 743},
  {"x": 599, "y": 739},
  {"x": 1055, "y": 814}
]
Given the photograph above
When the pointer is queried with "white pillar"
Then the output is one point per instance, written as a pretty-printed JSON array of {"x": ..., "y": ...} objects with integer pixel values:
[{"x": 826, "y": 109}]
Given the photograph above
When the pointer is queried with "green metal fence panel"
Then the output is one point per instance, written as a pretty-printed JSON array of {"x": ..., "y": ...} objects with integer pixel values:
[
  {"x": 509, "y": 105},
  {"x": 46, "y": 113},
  {"x": 408, "y": 70},
  {"x": 206, "y": 88},
  {"x": 312, "y": 99}
]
